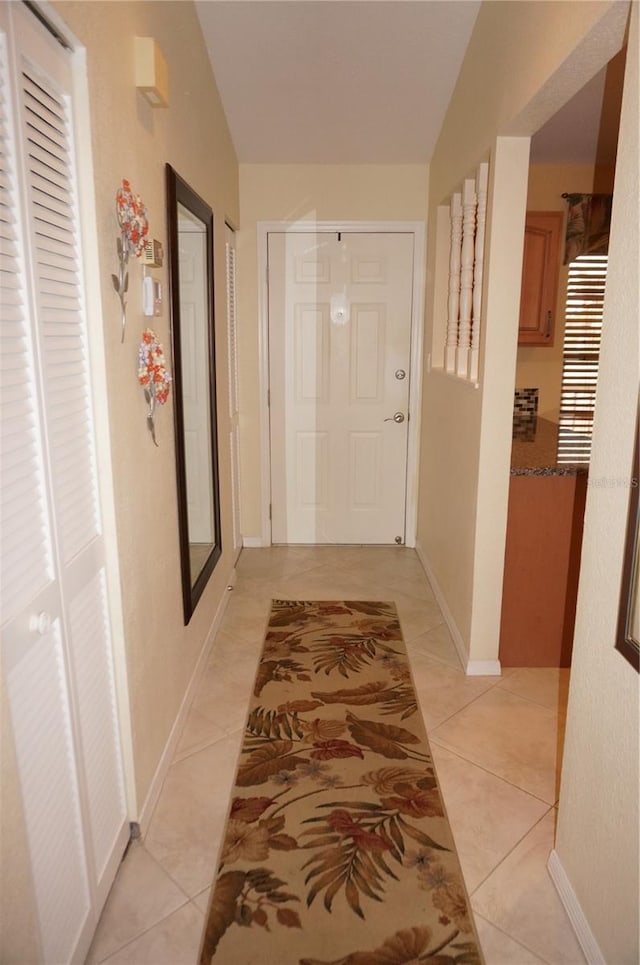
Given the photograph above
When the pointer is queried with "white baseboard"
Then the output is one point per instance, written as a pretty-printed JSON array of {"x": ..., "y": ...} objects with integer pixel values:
[
  {"x": 253, "y": 541},
  {"x": 170, "y": 747},
  {"x": 484, "y": 668},
  {"x": 574, "y": 911},
  {"x": 473, "y": 668},
  {"x": 442, "y": 603}
]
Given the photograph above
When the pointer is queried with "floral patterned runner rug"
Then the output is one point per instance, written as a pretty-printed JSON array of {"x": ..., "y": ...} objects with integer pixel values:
[{"x": 337, "y": 850}]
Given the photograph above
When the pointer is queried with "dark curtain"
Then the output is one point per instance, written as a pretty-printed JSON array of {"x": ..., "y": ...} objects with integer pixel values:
[{"x": 588, "y": 222}]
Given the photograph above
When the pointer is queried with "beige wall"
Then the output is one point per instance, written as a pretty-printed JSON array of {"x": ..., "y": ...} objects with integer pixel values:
[
  {"x": 597, "y": 837},
  {"x": 541, "y": 367},
  {"x": 466, "y": 438},
  {"x": 527, "y": 59},
  {"x": 131, "y": 140},
  {"x": 305, "y": 192}
]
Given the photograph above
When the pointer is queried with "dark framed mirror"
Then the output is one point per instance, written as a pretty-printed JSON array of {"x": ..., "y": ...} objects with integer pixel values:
[
  {"x": 628, "y": 636},
  {"x": 191, "y": 283}
]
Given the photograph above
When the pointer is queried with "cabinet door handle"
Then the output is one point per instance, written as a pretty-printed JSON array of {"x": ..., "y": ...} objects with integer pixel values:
[{"x": 547, "y": 334}]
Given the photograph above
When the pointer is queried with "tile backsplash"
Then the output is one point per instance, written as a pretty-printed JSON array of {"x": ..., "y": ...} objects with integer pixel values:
[{"x": 525, "y": 414}]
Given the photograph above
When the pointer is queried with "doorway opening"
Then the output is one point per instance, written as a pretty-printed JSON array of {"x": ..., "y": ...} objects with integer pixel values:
[{"x": 555, "y": 383}]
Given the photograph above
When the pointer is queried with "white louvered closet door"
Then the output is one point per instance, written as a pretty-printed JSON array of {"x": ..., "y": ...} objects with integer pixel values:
[
  {"x": 234, "y": 401},
  {"x": 56, "y": 642}
]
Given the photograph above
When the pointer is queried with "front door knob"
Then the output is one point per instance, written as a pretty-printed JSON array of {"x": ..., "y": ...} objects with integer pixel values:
[{"x": 396, "y": 417}]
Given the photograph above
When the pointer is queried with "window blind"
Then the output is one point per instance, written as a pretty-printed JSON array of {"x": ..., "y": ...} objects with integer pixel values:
[{"x": 583, "y": 331}]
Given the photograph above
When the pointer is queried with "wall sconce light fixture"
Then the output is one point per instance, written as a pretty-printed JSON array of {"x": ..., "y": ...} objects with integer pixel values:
[{"x": 152, "y": 75}]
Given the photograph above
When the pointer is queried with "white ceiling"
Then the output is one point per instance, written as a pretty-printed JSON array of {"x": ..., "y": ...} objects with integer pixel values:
[
  {"x": 336, "y": 81},
  {"x": 357, "y": 81}
]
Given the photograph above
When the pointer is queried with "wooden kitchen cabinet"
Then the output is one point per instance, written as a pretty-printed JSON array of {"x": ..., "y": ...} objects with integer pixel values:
[{"x": 540, "y": 267}]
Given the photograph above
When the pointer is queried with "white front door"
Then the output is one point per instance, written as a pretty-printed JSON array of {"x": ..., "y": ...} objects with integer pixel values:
[{"x": 340, "y": 309}]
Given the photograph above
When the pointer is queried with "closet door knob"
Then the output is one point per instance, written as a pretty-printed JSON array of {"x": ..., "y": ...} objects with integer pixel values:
[{"x": 40, "y": 622}]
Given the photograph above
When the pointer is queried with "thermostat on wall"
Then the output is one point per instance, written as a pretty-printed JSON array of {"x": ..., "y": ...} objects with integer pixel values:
[
  {"x": 151, "y": 296},
  {"x": 152, "y": 254}
]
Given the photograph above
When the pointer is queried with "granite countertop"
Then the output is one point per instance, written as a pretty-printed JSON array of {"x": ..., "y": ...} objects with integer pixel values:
[{"x": 534, "y": 452}]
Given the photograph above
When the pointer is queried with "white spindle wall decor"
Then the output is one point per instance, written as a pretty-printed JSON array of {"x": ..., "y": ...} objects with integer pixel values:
[
  {"x": 468, "y": 211},
  {"x": 454, "y": 283},
  {"x": 469, "y": 202},
  {"x": 482, "y": 181}
]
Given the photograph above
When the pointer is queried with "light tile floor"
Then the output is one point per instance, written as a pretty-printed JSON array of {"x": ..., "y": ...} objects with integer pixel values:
[{"x": 496, "y": 743}]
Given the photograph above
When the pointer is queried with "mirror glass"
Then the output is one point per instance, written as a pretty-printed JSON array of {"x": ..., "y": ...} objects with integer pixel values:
[{"x": 190, "y": 236}]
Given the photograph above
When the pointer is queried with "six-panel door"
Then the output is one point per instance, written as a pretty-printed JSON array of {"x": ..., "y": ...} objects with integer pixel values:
[{"x": 339, "y": 355}]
